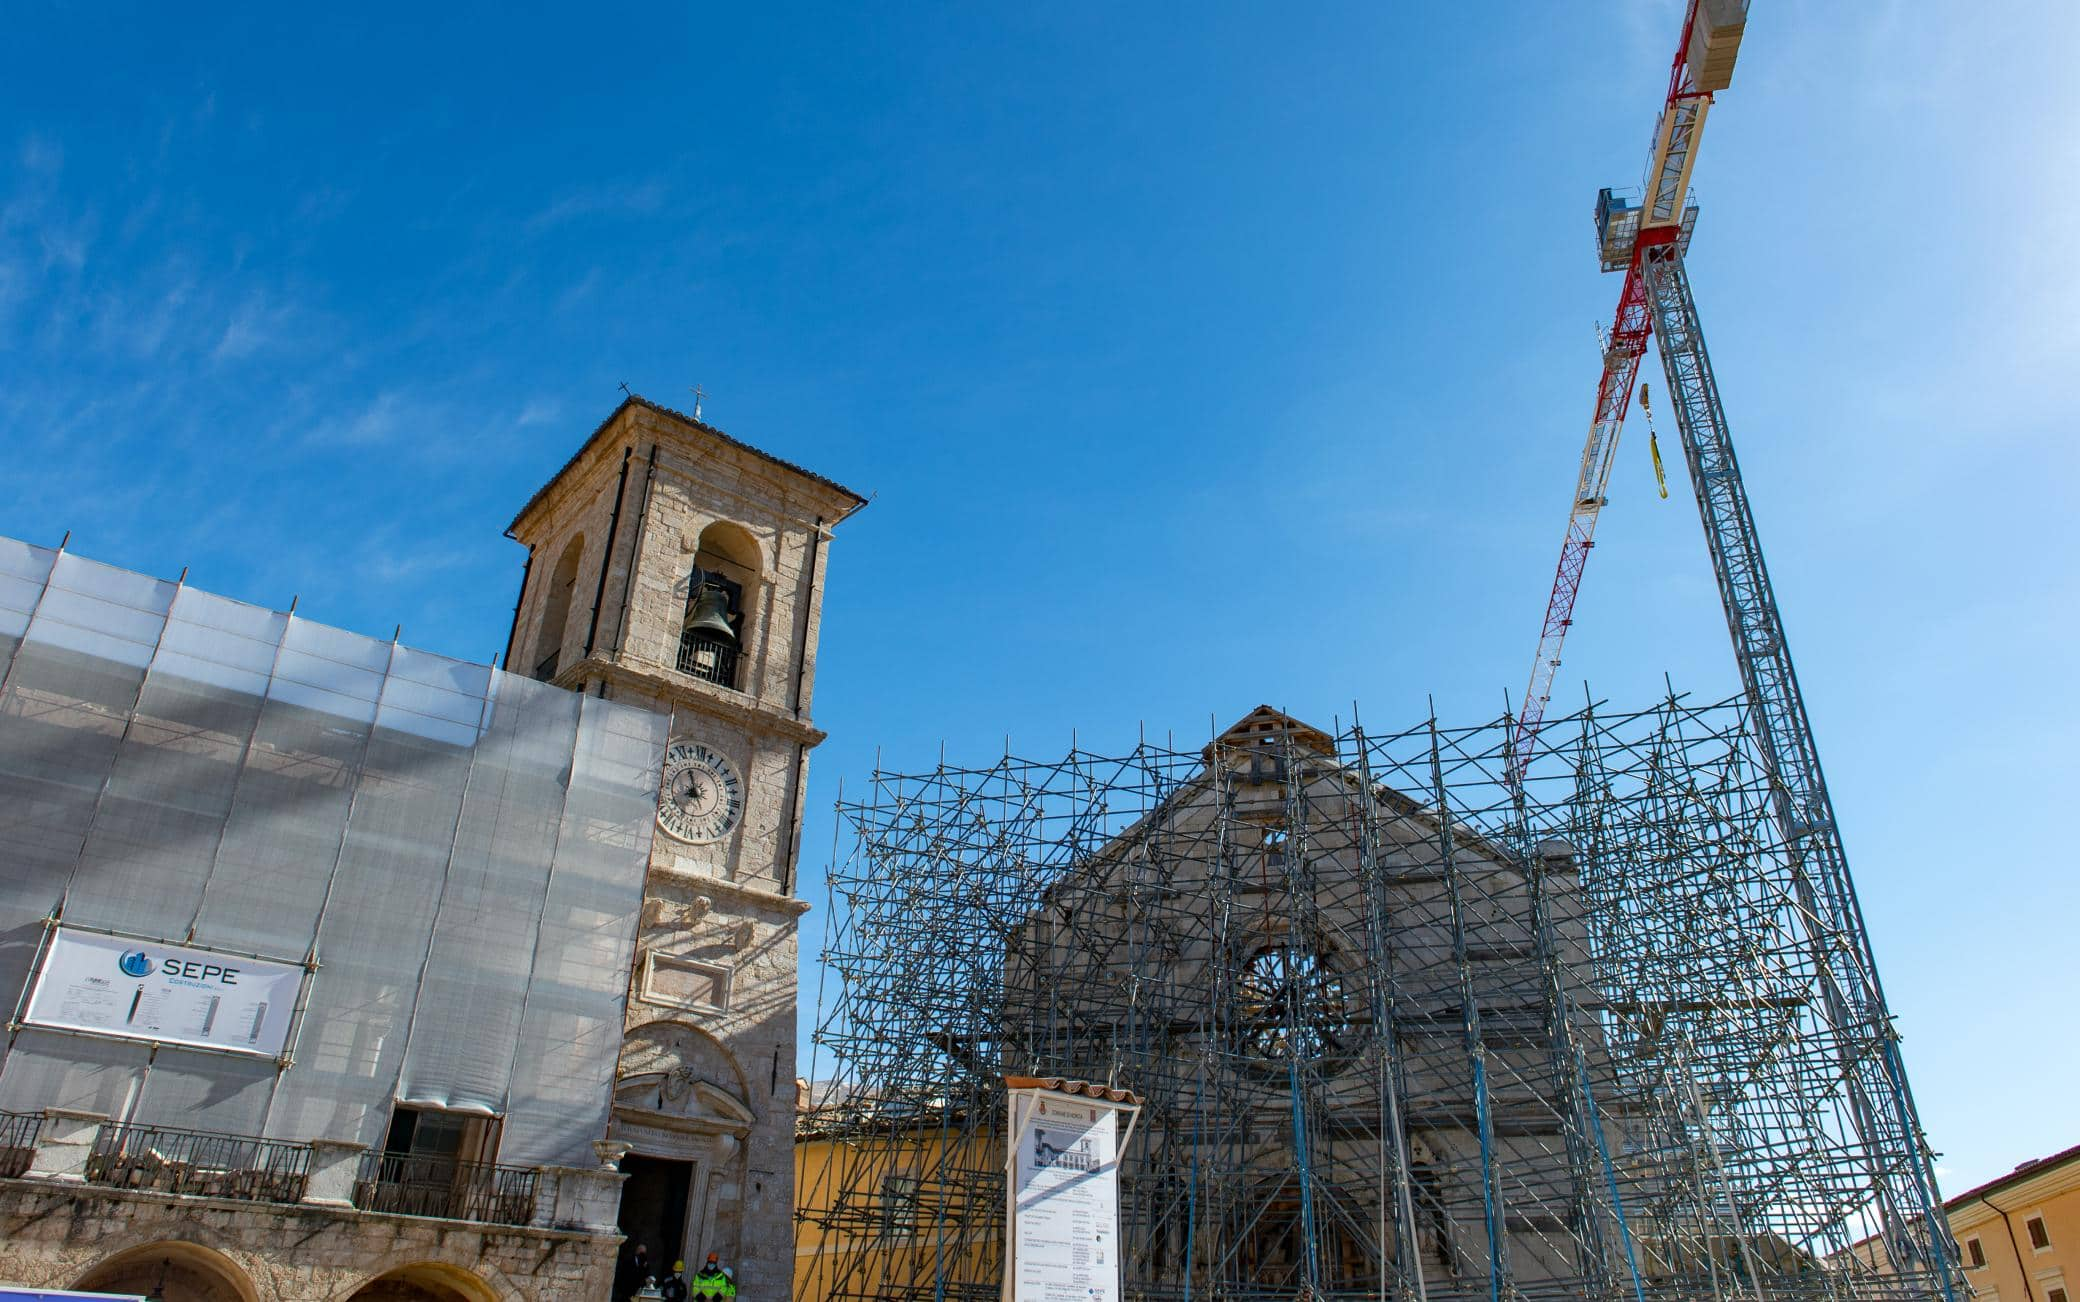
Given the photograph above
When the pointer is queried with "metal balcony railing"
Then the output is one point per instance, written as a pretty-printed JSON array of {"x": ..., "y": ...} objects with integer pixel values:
[
  {"x": 18, "y": 1133},
  {"x": 409, "y": 1184},
  {"x": 709, "y": 659},
  {"x": 194, "y": 1162}
]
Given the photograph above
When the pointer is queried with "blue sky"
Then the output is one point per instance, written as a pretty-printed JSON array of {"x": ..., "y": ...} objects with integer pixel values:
[{"x": 1193, "y": 359}]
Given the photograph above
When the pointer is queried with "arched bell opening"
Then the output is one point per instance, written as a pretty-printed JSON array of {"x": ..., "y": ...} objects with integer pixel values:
[
  {"x": 425, "y": 1281},
  {"x": 556, "y": 609},
  {"x": 721, "y": 598},
  {"x": 170, "y": 1271}
]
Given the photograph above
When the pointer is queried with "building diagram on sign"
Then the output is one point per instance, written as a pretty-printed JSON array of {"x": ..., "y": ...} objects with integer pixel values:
[{"x": 1064, "y": 1189}]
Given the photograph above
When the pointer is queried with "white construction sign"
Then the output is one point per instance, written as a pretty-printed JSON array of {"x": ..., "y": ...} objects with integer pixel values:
[
  {"x": 1064, "y": 1169},
  {"x": 139, "y": 990}
]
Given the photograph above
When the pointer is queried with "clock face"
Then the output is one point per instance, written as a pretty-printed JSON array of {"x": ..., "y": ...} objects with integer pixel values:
[{"x": 701, "y": 797}]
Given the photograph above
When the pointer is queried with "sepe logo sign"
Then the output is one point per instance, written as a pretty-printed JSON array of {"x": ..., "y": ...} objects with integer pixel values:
[{"x": 135, "y": 962}]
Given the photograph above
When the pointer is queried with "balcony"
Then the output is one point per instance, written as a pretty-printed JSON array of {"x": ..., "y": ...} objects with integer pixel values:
[
  {"x": 408, "y": 1184},
  {"x": 18, "y": 1133},
  {"x": 166, "y": 1160},
  {"x": 50, "y": 1159}
]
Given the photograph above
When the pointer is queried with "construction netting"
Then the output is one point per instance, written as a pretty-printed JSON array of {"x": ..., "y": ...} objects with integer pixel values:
[{"x": 456, "y": 856}]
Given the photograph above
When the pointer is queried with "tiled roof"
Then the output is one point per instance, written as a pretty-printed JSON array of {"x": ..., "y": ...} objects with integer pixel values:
[
  {"x": 638, "y": 400},
  {"x": 1088, "y": 1089},
  {"x": 2023, "y": 1172}
]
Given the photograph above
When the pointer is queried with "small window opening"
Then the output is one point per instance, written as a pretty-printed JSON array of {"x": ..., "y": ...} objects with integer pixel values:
[
  {"x": 901, "y": 1205},
  {"x": 1974, "y": 1255},
  {"x": 2039, "y": 1237}
]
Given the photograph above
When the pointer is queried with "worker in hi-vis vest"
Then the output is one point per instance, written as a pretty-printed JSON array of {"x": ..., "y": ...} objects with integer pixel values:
[{"x": 711, "y": 1280}]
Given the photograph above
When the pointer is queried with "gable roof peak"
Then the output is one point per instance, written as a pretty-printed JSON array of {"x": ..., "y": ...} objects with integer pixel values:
[{"x": 1266, "y": 726}]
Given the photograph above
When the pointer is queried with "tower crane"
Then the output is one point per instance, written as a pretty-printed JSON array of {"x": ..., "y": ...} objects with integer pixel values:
[{"x": 1647, "y": 243}]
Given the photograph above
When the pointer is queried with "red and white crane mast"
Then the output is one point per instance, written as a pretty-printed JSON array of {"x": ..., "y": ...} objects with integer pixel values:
[
  {"x": 1703, "y": 64},
  {"x": 1880, "y": 1138}
]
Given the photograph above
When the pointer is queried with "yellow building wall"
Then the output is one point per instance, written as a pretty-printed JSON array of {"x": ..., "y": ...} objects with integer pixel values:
[
  {"x": 2010, "y": 1268},
  {"x": 2015, "y": 1270},
  {"x": 851, "y": 1250}
]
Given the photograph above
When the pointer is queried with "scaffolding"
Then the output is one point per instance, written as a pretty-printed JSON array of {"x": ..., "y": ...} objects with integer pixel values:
[{"x": 1403, "y": 1030}]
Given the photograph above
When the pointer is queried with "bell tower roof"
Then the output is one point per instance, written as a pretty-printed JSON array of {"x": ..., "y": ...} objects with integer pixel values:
[{"x": 699, "y": 428}]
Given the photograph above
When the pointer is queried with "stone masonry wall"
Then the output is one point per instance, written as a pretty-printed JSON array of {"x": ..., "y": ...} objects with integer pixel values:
[{"x": 52, "y": 1235}]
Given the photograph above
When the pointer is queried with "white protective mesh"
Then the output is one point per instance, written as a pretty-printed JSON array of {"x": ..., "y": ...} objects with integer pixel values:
[{"x": 460, "y": 851}]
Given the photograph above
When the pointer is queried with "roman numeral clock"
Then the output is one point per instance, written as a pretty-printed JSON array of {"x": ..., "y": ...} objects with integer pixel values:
[{"x": 701, "y": 797}]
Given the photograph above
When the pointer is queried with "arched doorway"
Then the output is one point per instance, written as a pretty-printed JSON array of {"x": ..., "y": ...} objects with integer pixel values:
[
  {"x": 425, "y": 1281},
  {"x": 172, "y": 1272},
  {"x": 680, "y": 1106}
]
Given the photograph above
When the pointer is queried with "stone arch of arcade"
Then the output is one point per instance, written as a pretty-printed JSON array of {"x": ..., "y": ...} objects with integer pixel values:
[
  {"x": 425, "y": 1281},
  {"x": 173, "y": 1271}
]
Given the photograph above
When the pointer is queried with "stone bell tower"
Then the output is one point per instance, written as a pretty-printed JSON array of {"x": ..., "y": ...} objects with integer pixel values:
[{"x": 672, "y": 565}]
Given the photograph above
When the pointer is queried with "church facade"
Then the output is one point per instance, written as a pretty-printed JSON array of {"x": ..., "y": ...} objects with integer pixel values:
[{"x": 1357, "y": 1025}]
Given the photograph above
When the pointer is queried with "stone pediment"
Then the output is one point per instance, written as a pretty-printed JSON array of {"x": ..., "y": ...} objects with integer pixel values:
[
  {"x": 678, "y": 1077},
  {"x": 676, "y": 1100}
]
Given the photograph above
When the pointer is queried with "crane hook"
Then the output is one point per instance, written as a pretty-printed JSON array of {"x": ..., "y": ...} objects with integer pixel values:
[{"x": 1653, "y": 443}]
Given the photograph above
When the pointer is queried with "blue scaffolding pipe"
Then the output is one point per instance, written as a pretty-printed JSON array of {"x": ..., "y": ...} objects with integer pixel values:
[
  {"x": 1610, "y": 1175},
  {"x": 1305, "y": 1172},
  {"x": 1486, "y": 1124}
]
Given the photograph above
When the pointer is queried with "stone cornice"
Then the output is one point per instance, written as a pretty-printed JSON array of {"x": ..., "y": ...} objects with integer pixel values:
[
  {"x": 711, "y": 885},
  {"x": 579, "y": 480},
  {"x": 73, "y": 1193},
  {"x": 689, "y": 693}
]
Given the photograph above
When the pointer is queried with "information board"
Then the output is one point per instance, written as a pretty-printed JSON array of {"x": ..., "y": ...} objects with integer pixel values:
[
  {"x": 140, "y": 990},
  {"x": 1065, "y": 1199}
]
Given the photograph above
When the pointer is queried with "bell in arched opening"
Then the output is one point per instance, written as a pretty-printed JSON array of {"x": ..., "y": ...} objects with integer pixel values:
[
  {"x": 709, "y": 639},
  {"x": 710, "y": 616}
]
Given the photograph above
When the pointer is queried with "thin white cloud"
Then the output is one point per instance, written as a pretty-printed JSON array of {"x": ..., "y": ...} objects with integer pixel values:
[
  {"x": 63, "y": 246},
  {"x": 256, "y": 326},
  {"x": 143, "y": 331},
  {"x": 579, "y": 291},
  {"x": 41, "y": 155},
  {"x": 381, "y": 421},
  {"x": 538, "y": 411},
  {"x": 322, "y": 204},
  {"x": 623, "y": 198},
  {"x": 389, "y": 563}
]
